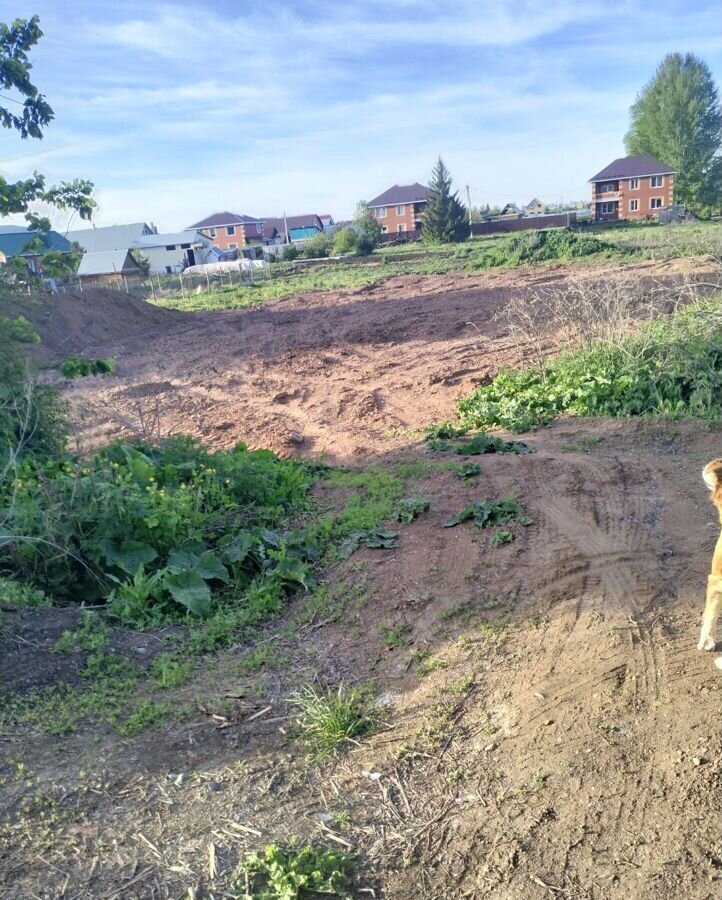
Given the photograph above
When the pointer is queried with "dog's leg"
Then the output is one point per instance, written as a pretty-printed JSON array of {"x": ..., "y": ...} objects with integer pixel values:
[{"x": 711, "y": 613}]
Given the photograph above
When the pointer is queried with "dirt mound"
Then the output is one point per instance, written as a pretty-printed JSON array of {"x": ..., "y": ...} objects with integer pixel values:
[{"x": 68, "y": 323}]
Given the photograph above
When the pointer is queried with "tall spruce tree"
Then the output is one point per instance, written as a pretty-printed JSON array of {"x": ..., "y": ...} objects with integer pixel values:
[
  {"x": 677, "y": 118},
  {"x": 445, "y": 219}
]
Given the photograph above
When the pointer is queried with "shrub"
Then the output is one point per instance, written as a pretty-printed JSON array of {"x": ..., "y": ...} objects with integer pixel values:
[
  {"x": 670, "y": 367},
  {"x": 31, "y": 414},
  {"x": 292, "y": 872},
  {"x": 344, "y": 242},
  {"x": 530, "y": 247},
  {"x": 317, "y": 247},
  {"x": 290, "y": 253},
  {"x": 80, "y": 367},
  {"x": 157, "y": 531}
]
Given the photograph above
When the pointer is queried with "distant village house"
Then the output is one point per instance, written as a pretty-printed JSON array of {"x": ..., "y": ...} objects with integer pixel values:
[
  {"x": 632, "y": 187},
  {"x": 400, "y": 208},
  {"x": 230, "y": 231}
]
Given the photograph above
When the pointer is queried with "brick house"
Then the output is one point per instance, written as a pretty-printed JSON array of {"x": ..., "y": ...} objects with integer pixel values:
[
  {"x": 400, "y": 208},
  {"x": 633, "y": 187},
  {"x": 229, "y": 231}
]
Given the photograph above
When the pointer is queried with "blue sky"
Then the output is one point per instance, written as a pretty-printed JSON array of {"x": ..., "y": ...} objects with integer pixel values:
[{"x": 176, "y": 110}]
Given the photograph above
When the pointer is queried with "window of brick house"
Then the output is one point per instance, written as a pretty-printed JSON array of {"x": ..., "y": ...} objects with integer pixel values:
[
  {"x": 656, "y": 181},
  {"x": 655, "y": 203},
  {"x": 606, "y": 208},
  {"x": 381, "y": 212},
  {"x": 230, "y": 229},
  {"x": 233, "y": 246},
  {"x": 633, "y": 205},
  {"x": 401, "y": 227},
  {"x": 400, "y": 210},
  {"x": 212, "y": 232},
  {"x": 634, "y": 184}
]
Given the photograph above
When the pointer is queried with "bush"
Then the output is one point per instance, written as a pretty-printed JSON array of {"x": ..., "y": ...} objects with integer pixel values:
[
  {"x": 670, "y": 367},
  {"x": 317, "y": 247},
  {"x": 531, "y": 247},
  {"x": 31, "y": 414},
  {"x": 344, "y": 242},
  {"x": 290, "y": 253},
  {"x": 80, "y": 367},
  {"x": 157, "y": 532}
]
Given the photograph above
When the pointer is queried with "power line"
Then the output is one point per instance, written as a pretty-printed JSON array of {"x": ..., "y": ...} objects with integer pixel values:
[{"x": 12, "y": 100}]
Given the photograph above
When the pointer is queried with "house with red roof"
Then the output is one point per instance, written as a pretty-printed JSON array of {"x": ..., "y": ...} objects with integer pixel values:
[
  {"x": 229, "y": 231},
  {"x": 633, "y": 187},
  {"x": 400, "y": 208}
]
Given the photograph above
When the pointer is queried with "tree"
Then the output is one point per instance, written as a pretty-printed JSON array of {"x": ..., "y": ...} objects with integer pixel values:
[
  {"x": 142, "y": 262},
  {"x": 344, "y": 241},
  {"x": 317, "y": 246},
  {"x": 677, "y": 118},
  {"x": 368, "y": 228},
  {"x": 445, "y": 218},
  {"x": 15, "y": 67}
]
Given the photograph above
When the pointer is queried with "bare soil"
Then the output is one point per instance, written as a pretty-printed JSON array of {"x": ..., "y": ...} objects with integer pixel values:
[{"x": 564, "y": 739}]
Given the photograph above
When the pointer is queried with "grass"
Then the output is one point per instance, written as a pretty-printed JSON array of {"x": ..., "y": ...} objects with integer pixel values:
[
  {"x": 585, "y": 244},
  {"x": 329, "y": 719}
]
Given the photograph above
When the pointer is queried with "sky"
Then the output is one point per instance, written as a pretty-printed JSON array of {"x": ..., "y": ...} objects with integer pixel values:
[{"x": 181, "y": 109}]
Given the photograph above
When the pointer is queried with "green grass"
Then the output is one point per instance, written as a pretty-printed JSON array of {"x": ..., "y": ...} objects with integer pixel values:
[
  {"x": 329, "y": 719},
  {"x": 622, "y": 243},
  {"x": 671, "y": 367}
]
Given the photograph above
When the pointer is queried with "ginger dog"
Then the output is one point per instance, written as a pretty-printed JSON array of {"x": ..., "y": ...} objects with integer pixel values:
[{"x": 712, "y": 474}]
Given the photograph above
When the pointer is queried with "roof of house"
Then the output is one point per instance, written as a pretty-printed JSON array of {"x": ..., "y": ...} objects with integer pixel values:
[
  {"x": 510, "y": 207},
  {"x": 106, "y": 262},
  {"x": 401, "y": 193},
  {"x": 308, "y": 221},
  {"x": 167, "y": 240},
  {"x": 299, "y": 234},
  {"x": 535, "y": 201},
  {"x": 12, "y": 229},
  {"x": 633, "y": 167},
  {"x": 218, "y": 220},
  {"x": 110, "y": 237},
  {"x": 13, "y": 243}
]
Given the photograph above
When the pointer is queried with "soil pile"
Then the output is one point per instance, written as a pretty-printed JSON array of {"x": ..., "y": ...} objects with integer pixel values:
[{"x": 68, "y": 323}]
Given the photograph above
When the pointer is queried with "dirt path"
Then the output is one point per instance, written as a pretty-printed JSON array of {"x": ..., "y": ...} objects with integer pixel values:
[{"x": 549, "y": 728}]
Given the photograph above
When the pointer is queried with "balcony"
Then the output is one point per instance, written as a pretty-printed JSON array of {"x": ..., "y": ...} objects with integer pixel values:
[{"x": 608, "y": 197}]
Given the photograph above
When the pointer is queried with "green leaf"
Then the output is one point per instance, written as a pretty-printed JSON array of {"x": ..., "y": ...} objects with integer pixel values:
[
  {"x": 291, "y": 569},
  {"x": 190, "y": 590},
  {"x": 127, "y": 555},
  {"x": 211, "y": 568}
]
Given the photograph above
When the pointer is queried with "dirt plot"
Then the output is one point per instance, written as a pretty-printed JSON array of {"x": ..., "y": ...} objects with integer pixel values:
[
  {"x": 547, "y": 727},
  {"x": 344, "y": 373}
]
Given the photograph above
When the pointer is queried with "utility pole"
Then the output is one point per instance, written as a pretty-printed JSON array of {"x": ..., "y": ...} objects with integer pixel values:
[
  {"x": 285, "y": 225},
  {"x": 468, "y": 199}
]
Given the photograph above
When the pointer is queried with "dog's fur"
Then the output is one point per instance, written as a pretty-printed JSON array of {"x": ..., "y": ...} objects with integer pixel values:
[{"x": 712, "y": 474}]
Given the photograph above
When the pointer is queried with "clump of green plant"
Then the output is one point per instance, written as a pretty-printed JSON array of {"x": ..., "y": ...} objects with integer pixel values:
[
  {"x": 80, "y": 367},
  {"x": 670, "y": 367},
  {"x": 395, "y": 636},
  {"x": 329, "y": 719},
  {"x": 410, "y": 508},
  {"x": 169, "y": 671},
  {"x": 468, "y": 471},
  {"x": 374, "y": 538},
  {"x": 532, "y": 247},
  {"x": 485, "y": 513},
  {"x": 15, "y": 593},
  {"x": 501, "y": 537},
  {"x": 444, "y": 431},
  {"x": 486, "y": 443},
  {"x": 292, "y": 872},
  {"x": 159, "y": 532},
  {"x": 92, "y": 634}
]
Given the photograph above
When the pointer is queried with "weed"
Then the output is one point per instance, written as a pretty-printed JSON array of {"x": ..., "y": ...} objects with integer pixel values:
[
  {"x": 501, "y": 537},
  {"x": 329, "y": 719},
  {"x": 374, "y": 538},
  {"x": 92, "y": 635},
  {"x": 80, "y": 367},
  {"x": 395, "y": 636},
  {"x": 462, "y": 685},
  {"x": 292, "y": 872},
  {"x": 168, "y": 671},
  {"x": 485, "y": 513},
  {"x": 426, "y": 664},
  {"x": 484, "y": 443},
  {"x": 410, "y": 508},
  {"x": 670, "y": 367},
  {"x": 15, "y": 593},
  {"x": 539, "y": 780},
  {"x": 468, "y": 471}
]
